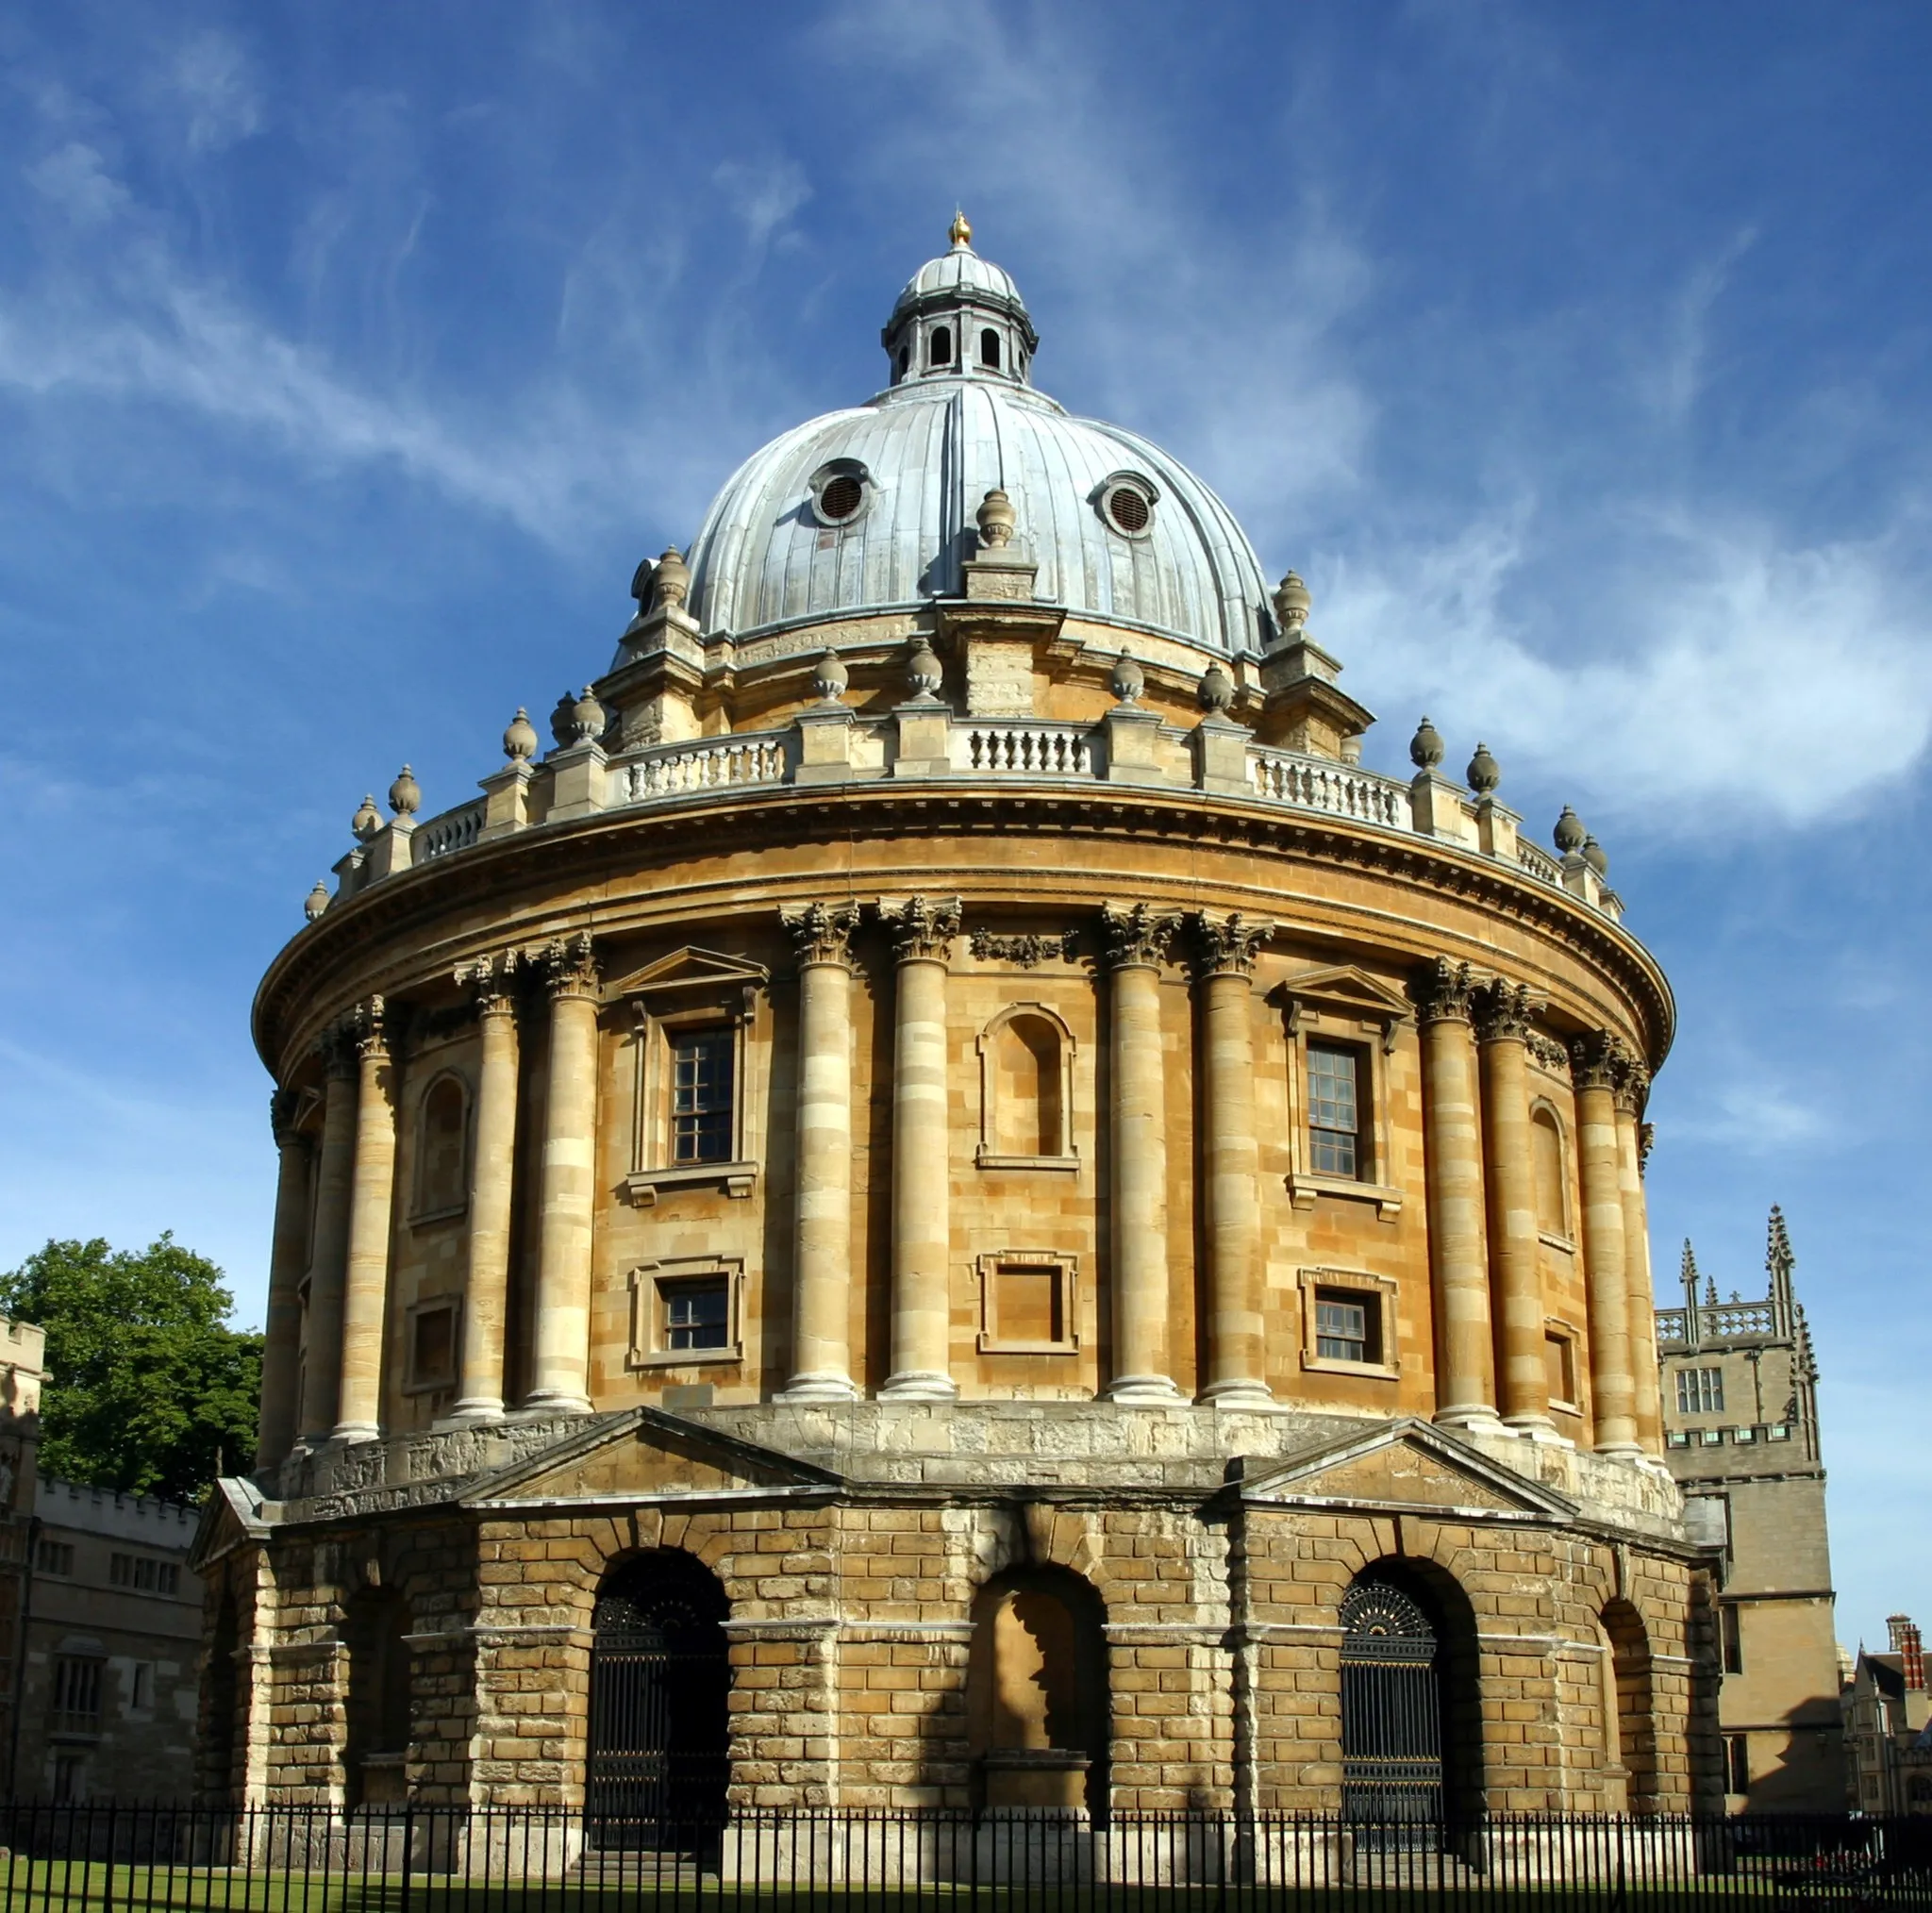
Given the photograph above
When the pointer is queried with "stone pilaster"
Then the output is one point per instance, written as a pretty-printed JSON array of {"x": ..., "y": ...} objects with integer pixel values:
[
  {"x": 821, "y": 1283},
  {"x": 570, "y": 1143},
  {"x": 329, "y": 1249},
  {"x": 923, "y": 929},
  {"x": 492, "y": 1168},
  {"x": 1135, "y": 940},
  {"x": 1631, "y": 1093},
  {"x": 281, "y": 1350},
  {"x": 1458, "y": 1259},
  {"x": 1596, "y": 1063},
  {"x": 365, "y": 1292},
  {"x": 1502, "y": 1023},
  {"x": 1230, "y": 1160}
]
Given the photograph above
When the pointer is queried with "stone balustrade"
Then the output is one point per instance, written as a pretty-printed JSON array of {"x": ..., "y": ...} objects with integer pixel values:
[{"x": 1015, "y": 750}]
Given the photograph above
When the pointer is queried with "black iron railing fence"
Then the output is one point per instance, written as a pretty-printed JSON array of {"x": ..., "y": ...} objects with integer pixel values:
[{"x": 557, "y": 1860}]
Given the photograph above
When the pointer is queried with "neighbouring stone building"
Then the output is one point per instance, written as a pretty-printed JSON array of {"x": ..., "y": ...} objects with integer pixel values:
[
  {"x": 1887, "y": 1725},
  {"x": 112, "y": 1650},
  {"x": 1741, "y": 1421},
  {"x": 23, "y": 1367},
  {"x": 948, "y": 1203}
]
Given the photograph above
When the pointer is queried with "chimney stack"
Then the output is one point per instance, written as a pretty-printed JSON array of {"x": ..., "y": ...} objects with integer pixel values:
[
  {"x": 1895, "y": 1625},
  {"x": 1913, "y": 1652}
]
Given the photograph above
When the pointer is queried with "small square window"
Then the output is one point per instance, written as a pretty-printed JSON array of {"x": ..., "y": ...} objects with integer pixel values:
[
  {"x": 1026, "y": 1305},
  {"x": 1560, "y": 1357},
  {"x": 141, "y": 1686},
  {"x": 1730, "y": 1626},
  {"x": 1335, "y": 1111},
  {"x": 1348, "y": 1321},
  {"x": 1738, "y": 1763},
  {"x": 54, "y": 1557},
  {"x": 432, "y": 1346},
  {"x": 1342, "y": 1327},
  {"x": 696, "y": 1314},
  {"x": 701, "y": 1096}
]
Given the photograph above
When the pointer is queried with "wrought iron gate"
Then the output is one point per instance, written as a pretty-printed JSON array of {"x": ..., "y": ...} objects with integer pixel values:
[
  {"x": 659, "y": 1758},
  {"x": 1391, "y": 1707}
]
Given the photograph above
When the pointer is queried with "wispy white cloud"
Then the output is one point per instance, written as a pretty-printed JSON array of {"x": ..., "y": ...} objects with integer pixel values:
[{"x": 212, "y": 82}]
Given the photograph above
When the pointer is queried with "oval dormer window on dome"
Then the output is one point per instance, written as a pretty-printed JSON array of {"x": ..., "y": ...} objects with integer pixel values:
[
  {"x": 839, "y": 492},
  {"x": 1126, "y": 503}
]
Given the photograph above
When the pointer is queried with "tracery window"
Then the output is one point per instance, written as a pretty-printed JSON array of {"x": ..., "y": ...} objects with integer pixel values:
[{"x": 1699, "y": 1392}]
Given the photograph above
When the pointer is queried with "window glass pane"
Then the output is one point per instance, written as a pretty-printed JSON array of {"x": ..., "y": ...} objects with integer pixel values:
[
  {"x": 1334, "y": 1114},
  {"x": 1342, "y": 1329},
  {"x": 701, "y": 1097},
  {"x": 696, "y": 1315}
]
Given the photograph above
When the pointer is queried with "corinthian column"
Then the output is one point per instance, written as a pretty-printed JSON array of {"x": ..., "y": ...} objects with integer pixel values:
[
  {"x": 366, "y": 1291},
  {"x": 822, "y": 1217},
  {"x": 1502, "y": 1022},
  {"x": 923, "y": 931},
  {"x": 493, "y": 1167},
  {"x": 282, "y": 1331},
  {"x": 1596, "y": 1062},
  {"x": 1231, "y": 1162},
  {"x": 329, "y": 1253},
  {"x": 1458, "y": 1264},
  {"x": 1631, "y": 1092},
  {"x": 570, "y": 1146},
  {"x": 1137, "y": 941}
]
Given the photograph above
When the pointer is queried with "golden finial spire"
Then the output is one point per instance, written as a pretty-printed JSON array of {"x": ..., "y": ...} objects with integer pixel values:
[{"x": 960, "y": 231}]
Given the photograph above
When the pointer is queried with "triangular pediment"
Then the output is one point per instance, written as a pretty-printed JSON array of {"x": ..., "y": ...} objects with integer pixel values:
[
  {"x": 1344, "y": 989},
  {"x": 692, "y": 969},
  {"x": 1402, "y": 1465},
  {"x": 646, "y": 1455},
  {"x": 231, "y": 1517}
]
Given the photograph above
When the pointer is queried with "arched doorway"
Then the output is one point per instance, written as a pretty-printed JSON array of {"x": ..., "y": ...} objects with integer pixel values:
[
  {"x": 659, "y": 1746},
  {"x": 1411, "y": 1739},
  {"x": 378, "y": 1701},
  {"x": 1629, "y": 1722},
  {"x": 1038, "y": 1720}
]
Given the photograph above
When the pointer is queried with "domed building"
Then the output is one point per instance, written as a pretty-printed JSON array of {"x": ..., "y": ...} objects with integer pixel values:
[{"x": 945, "y": 1203}]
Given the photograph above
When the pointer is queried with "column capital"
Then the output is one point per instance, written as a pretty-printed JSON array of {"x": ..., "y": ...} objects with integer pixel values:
[
  {"x": 1227, "y": 947},
  {"x": 1442, "y": 992},
  {"x": 368, "y": 1028},
  {"x": 282, "y": 1105},
  {"x": 491, "y": 982},
  {"x": 1502, "y": 1011},
  {"x": 821, "y": 933},
  {"x": 1633, "y": 1088},
  {"x": 1646, "y": 1141},
  {"x": 1135, "y": 934},
  {"x": 570, "y": 966},
  {"x": 336, "y": 1046},
  {"x": 1600, "y": 1060},
  {"x": 922, "y": 928}
]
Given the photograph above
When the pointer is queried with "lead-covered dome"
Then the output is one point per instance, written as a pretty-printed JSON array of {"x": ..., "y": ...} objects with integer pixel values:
[{"x": 872, "y": 510}]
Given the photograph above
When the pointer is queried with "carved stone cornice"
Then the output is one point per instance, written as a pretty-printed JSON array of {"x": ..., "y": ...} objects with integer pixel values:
[
  {"x": 1599, "y": 1060},
  {"x": 1226, "y": 947},
  {"x": 490, "y": 982},
  {"x": 1502, "y": 1011},
  {"x": 922, "y": 928},
  {"x": 821, "y": 933},
  {"x": 570, "y": 966},
  {"x": 1025, "y": 951},
  {"x": 1137, "y": 935},
  {"x": 1442, "y": 992}
]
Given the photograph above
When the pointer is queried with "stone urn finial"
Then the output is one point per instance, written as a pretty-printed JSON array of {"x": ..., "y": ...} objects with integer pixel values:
[
  {"x": 316, "y": 901},
  {"x": 829, "y": 676},
  {"x": 1425, "y": 747},
  {"x": 405, "y": 794},
  {"x": 366, "y": 820},
  {"x": 1216, "y": 691},
  {"x": 924, "y": 672},
  {"x": 1129, "y": 680},
  {"x": 520, "y": 739},
  {"x": 586, "y": 717},
  {"x": 1569, "y": 833},
  {"x": 996, "y": 521},
  {"x": 1595, "y": 857},
  {"x": 1291, "y": 605},
  {"x": 1484, "y": 773},
  {"x": 673, "y": 577}
]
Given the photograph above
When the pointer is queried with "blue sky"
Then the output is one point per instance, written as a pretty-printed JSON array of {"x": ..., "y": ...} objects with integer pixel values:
[{"x": 351, "y": 355}]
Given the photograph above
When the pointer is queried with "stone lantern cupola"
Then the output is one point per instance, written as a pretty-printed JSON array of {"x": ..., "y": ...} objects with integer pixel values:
[{"x": 960, "y": 316}]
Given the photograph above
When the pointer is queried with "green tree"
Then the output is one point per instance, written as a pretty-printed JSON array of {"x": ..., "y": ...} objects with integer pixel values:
[{"x": 153, "y": 1392}]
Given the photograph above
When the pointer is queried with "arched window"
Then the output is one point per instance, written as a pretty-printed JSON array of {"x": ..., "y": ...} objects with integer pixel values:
[
  {"x": 1026, "y": 1057},
  {"x": 376, "y": 1632},
  {"x": 1630, "y": 1694},
  {"x": 941, "y": 345},
  {"x": 905, "y": 361},
  {"x": 660, "y": 1685},
  {"x": 990, "y": 349},
  {"x": 443, "y": 1148},
  {"x": 1411, "y": 1718},
  {"x": 1036, "y": 1692},
  {"x": 1552, "y": 1173}
]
